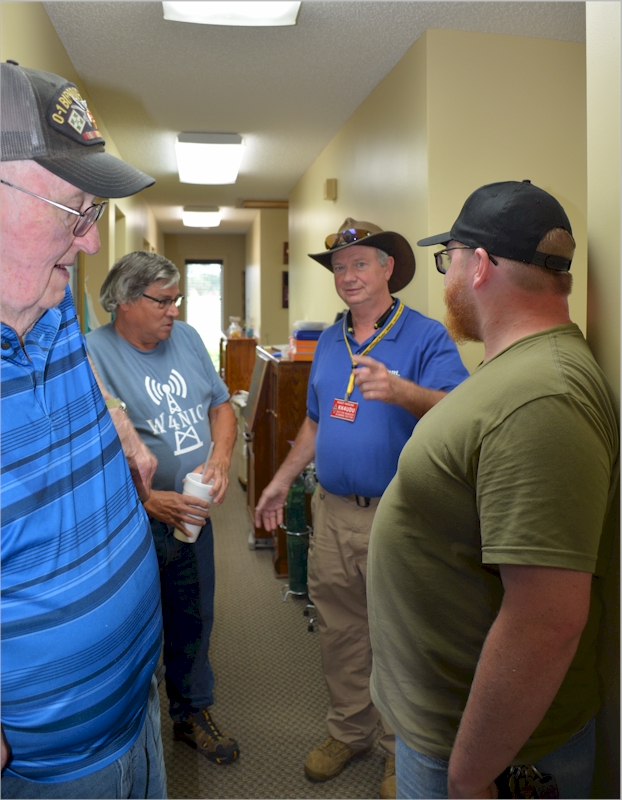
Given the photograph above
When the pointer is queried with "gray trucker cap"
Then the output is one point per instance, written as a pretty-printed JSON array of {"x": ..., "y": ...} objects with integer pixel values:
[{"x": 44, "y": 118}]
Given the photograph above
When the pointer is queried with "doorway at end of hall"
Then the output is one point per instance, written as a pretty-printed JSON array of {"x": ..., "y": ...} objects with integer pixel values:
[{"x": 204, "y": 303}]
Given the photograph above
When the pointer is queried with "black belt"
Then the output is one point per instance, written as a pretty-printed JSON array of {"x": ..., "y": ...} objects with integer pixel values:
[{"x": 362, "y": 502}]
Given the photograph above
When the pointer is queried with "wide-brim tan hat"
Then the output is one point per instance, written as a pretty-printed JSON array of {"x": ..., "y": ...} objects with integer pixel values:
[{"x": 370, "y": 235}]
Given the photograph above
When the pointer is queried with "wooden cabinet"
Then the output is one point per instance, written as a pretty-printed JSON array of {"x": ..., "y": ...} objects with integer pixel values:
[
  {"x": 237, "y": 359},
  {"x": 276, "y": 409}
]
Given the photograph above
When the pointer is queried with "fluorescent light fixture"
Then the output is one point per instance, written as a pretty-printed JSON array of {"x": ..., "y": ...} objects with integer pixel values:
[
  {"x": 251, "y": 14},
  {"x": 209, "y": 157},
  {"x": 201, "y": 216}
]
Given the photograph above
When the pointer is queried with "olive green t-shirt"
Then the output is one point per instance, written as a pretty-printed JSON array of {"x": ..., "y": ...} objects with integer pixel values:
[{"x": 517, "y": 465}]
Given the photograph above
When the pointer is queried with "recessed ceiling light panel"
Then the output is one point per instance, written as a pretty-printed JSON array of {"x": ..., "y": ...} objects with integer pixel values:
[
  {"x": 201, "y": 216},
  {"x": 210, "y": 158},
  {"x": 251, "y": 14}
]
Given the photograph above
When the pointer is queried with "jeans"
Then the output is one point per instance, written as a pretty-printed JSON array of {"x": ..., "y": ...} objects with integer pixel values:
[
  {"x": 572, "y": 766},
  {"x": 139, "y": 773},
  {"x": 187, "y": 589}
]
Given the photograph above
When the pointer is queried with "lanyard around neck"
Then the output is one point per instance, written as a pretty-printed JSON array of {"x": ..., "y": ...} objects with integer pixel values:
[{"x": 369, "y": 347}]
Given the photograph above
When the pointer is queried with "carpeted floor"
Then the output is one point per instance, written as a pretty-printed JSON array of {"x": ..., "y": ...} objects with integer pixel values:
[{"x": 270, "y": 693}]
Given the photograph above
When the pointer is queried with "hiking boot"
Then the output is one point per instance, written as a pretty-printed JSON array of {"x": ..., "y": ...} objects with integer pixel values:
[
  {"x": 387, "y": 787},
  {"x": 201, "y": 732},
  {"x": 329, "y": 759}
]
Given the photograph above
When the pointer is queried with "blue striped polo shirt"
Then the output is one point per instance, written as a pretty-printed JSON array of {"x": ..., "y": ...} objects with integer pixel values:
[{"x": 81, "y": 621}]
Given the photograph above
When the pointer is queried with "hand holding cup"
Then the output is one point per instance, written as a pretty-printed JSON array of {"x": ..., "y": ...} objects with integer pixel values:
[{"x": 194, "y": 487}]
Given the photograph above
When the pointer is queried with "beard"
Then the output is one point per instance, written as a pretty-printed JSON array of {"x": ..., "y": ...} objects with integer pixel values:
[{"x": 461, "y": 317}]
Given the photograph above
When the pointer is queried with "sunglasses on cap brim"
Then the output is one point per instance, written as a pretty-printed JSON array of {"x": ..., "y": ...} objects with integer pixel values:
[{"x": 348, "y": 236}]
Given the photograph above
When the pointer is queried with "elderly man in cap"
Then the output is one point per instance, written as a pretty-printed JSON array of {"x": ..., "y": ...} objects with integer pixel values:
[
  {"x": 81, "y": 620},
  {"x": 488, "y": 544},
  {"x": 375, "y": 373}
]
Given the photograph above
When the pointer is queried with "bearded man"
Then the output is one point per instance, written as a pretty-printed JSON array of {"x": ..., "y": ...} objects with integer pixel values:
[{"x": 488, "y": 545}]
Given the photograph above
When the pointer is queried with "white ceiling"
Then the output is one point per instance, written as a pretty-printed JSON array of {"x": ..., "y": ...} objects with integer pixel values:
[{"x": 286, "y": 90}]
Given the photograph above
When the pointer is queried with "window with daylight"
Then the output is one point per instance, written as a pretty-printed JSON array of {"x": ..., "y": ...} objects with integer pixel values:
[{"x": 204, "y": 303}]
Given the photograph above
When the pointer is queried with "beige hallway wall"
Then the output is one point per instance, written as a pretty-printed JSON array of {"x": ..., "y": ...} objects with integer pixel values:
[
  {"x": 379, "y": 161},
  {"x": 505, "y": 108},
  {"x": 274, "y": 234},
  {"x": 230, "y": 249},
  {"x": 603, "y": 163},
  {"x": 28, "y": 37},
  {"x": 264, "y": 268},
  {"x": 603, "y": 330},
  {"x": 459, "y": 110},
  {"x": 253, "y": 277}
]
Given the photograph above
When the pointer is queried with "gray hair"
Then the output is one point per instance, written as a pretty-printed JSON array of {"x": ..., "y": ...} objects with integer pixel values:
[
  {"x": 132, "y": 274},
  {"x": 382, "y": 256}
]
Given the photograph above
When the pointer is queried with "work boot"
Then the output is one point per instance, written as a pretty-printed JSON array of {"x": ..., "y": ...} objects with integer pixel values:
[
  {"x": 387, "y": 787},
  {"x": 201, "y": 732},
  {"x": 329, "y": 759}
]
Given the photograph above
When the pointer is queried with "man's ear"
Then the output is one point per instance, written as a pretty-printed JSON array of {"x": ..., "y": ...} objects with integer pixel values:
[
  {"x": 483, "y": 267},
  {"x": 388, "y": 267}
]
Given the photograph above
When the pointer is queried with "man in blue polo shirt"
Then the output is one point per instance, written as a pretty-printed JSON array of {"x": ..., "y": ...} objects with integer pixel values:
[
  {"x": 81, "y": 620},
  {"x": 375, "y": 373}
]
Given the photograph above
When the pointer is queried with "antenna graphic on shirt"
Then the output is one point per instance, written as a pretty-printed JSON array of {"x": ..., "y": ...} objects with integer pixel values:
[{"x": 176, "y": 385}]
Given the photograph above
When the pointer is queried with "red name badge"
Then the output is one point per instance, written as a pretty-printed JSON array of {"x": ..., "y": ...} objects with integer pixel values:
[{"x": 344, "y": 409}]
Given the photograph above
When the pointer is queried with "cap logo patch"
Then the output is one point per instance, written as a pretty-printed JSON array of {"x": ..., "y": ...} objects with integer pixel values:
[
  {"x": 76, "y": 121},
  {"x": 68, "y": 113}
]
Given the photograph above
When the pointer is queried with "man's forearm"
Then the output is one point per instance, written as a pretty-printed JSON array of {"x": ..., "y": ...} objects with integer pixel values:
[
  {"x": 105, "y": 393},
  {"x": 224, "y": 430},
  {"x": 522, "y": 665},
  {"x": 140, "y": 459},
  {"x": 510, "y": 695},
  {"x": 6, "y": 751},
  {"x": 377, "y": 383},
  {"x": 301, "y": 454},
  {"x": 269, "y": 510},
  {"x": 414, "y": 398}
]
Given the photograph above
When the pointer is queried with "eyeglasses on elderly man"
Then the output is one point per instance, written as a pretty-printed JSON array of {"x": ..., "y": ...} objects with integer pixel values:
[{"x": 87, "y": 218}]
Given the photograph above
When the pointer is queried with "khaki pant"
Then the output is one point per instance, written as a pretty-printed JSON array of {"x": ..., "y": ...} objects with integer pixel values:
[{"x": 337, "y": 572}]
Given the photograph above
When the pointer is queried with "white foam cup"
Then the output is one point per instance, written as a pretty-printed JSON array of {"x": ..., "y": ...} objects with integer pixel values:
[{"x": 194, "y": 487}]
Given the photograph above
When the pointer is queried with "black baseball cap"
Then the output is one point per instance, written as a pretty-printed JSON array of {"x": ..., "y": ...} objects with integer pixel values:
[
  {"x": 44, "y": 118},
  {"x": 509, "y": 219}
]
